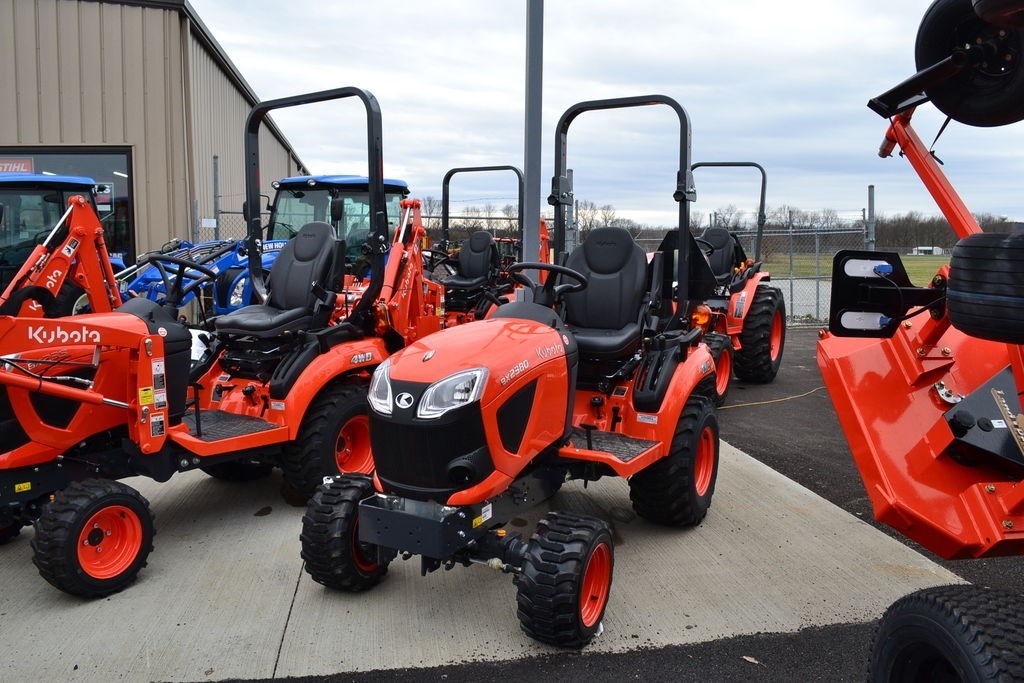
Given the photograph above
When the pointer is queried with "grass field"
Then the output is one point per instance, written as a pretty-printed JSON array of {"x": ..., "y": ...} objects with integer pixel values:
[{"x": 919, "y": 268}]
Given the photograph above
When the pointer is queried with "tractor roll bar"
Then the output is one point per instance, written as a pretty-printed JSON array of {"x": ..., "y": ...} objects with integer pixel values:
[
  {"x": 761, "y": 217},
  {"x": 474, "y": 169},
  {"x": 377, "y": 241},
  {"x": 561, "y": 187}
]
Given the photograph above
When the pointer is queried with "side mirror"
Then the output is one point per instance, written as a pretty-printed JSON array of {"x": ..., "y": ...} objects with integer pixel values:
[{"x": 337, "y": 209}]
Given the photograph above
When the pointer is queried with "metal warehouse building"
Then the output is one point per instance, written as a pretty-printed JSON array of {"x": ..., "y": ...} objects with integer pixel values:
[{"x": 137, "y": 95}]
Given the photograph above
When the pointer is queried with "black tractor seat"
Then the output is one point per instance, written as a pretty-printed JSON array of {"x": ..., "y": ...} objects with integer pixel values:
[
  {"x": 605, "y": 318},
  {"x": 723, "y": 257},
  {"x": 477, "y": 263},
  {"x": 300, "y": 271}
]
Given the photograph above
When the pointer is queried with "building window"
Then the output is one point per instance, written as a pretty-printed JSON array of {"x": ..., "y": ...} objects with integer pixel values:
[{"x": 111, "y": 170}]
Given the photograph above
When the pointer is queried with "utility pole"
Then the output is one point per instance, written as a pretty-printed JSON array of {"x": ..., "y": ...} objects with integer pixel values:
[
  {"x": 533, "y": 138},
  {"x": 869, "y": 224}
]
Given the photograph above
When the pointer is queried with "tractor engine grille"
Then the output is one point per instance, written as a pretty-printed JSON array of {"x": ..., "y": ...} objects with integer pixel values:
[{"x": 430, "y": 459}]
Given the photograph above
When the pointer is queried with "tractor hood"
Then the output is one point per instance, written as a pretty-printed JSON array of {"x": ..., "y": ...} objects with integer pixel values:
[{"x": 508, "y": 348}]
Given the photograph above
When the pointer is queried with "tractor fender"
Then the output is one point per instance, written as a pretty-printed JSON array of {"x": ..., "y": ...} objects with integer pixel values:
[
  {"x": 697, "y": 366},
  {"x": 739, "y": 306},
  {"x": 350, "y": 361}
]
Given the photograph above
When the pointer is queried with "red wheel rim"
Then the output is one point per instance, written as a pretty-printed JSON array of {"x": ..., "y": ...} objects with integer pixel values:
[
  {"x": 597, "y": 578},
  {"x": 704, "y": 461},
  {"x": 775, "y": 341},
  {"x": 358, "y": 556},
  {"x": 109, "y": 542},
  {"x": 352, "y": 451},
  {"x": 723, "y": 372}
]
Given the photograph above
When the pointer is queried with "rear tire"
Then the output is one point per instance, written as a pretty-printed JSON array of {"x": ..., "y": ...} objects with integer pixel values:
[
  {"x": 763, "y": 337},
  {"x": 985, "y": 294},
  {"x": 677, "y": 489},
  {"x": 720, "y": 346},
  {"x": 950, "y": 633},
  {"x": 331, "y": 549},
  {"x": 64, "y": 303},
  {"x": 93, "y": 538},
  {"x": 334, "y": 439},
  {"x": 563, "y": 587},
  {"x": 990, "y": 94}
]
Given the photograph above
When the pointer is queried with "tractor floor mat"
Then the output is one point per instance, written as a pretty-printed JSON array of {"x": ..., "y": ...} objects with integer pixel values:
[
  {"x": 218, "y": 425},
  {"x": 623, "y": 447}
]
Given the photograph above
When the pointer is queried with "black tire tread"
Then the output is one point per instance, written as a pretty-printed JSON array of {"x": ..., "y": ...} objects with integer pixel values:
[
  {"x": 663, "y": 492},
  {"x": 753, "y": 362},
  {"x": 55, "y": 531},
  {"x": 302, "y": 459},
  {"x": 547, "y": 587},
  {"x": 988, "y": 626},
  {"x": 985, "y": 293},
  {"x": 326, "y": 536}
]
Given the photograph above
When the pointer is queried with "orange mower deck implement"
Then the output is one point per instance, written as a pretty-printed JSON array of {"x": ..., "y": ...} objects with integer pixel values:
[
  {"x": 927, "y": 381},
  {"x": 106, "y": 395},
  {"x": 597, "y": 373}
]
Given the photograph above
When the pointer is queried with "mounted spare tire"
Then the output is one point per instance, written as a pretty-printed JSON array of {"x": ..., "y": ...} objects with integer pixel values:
[
  {"x": 985, "y": 295},
  {"x": 1005, "y": 13},
  {"x": 990, "y": 93}
]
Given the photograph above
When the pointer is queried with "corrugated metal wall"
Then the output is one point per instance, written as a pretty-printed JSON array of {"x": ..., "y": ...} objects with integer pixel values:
[
  {"x": 219, "y": 113},
  {"x": 95, "y": 73}
]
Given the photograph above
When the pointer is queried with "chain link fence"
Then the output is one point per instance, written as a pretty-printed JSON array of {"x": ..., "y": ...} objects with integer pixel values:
[{"x": 796, "y": 248}]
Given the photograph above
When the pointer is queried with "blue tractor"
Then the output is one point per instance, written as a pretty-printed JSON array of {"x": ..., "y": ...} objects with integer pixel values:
[{"x": 341, "y": 200}]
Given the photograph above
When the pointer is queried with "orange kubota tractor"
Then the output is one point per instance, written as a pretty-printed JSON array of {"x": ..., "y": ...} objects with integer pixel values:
[
  {"x": 89, "y": 399},
  {"x": 745, "y": 318},
  {"x": 926, "y": 381},
  {"x": 600, "y": 374}
]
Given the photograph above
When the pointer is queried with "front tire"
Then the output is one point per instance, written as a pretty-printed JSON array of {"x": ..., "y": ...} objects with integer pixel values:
[
  {"x": 333, "y": 554},
  {"x": 762, "y": 338},
  {"x": 93, "y": 538},
  {"x": 334, "y": 439},
  {"x": 677, "y": 489},
  {"x": 950, "y": 633},
  {"x": 563, "y": 587}
]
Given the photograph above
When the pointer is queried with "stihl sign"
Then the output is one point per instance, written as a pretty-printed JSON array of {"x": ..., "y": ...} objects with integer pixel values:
[{"x": 16, "y": 165}]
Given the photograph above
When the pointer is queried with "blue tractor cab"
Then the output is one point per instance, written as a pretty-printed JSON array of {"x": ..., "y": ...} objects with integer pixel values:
[
  {"x": 30, "y": 205},
  {"x": 341, "y": 200}
]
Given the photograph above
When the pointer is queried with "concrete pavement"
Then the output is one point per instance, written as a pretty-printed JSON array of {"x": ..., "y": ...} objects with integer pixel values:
[{"x": 224, "y": 595}]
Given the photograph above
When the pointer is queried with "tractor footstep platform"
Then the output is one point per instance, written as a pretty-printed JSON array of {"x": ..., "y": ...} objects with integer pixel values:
[
  {"x": 218, "y": 425},
  {"x": 623, "y": 447}
]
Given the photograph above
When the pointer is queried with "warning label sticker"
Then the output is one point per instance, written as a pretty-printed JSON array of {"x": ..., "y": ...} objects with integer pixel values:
[{"x": 146, "y": 396}]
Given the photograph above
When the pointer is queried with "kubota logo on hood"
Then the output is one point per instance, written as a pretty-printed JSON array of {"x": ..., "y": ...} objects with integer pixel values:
[{"x": 44, "y": 335}]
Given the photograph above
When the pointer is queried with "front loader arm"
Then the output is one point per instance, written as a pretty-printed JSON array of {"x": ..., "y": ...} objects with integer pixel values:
[
  {"x": 75, "y": 252},
  {"x": 108, "y": 363}
]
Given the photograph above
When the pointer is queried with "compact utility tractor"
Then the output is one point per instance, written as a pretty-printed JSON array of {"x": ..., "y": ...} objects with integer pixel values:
[
  {"x": 926, "y": 381},
  {"x": 745, "y": 318},
  {"x": 600, "y": 374},
  {"x": 97, "y": 397}
]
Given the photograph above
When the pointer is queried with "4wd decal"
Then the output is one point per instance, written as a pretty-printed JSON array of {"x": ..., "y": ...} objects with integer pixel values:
[
  {"x": 365, "y": 357},
  {"x": 43, "y": 335}
]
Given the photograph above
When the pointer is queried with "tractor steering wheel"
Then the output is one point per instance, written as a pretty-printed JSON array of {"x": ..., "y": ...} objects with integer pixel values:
[
  {"x": 200, "y": 276},
  {"x": 706, "y": 247},
  {"x": 548, "y": 294}
]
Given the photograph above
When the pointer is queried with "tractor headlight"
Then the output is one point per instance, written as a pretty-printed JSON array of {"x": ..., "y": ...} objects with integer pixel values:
[
  {"x": 380, "y": 389},
  {"x": 452, "y": 392},
  {"x": 237, "y": 293}
]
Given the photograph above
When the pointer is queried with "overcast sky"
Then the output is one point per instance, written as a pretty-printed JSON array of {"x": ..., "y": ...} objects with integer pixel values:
[{"x": 783, "y": 83}]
